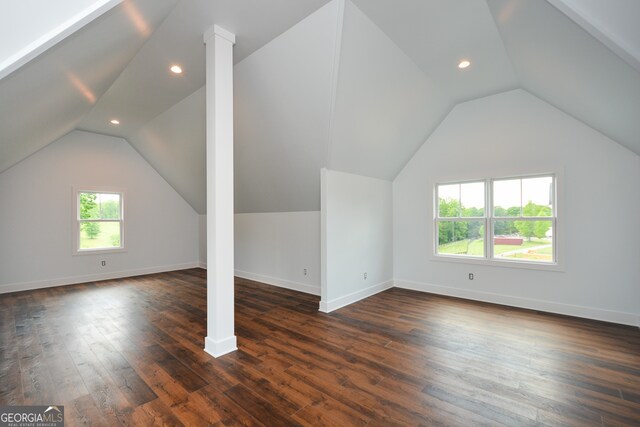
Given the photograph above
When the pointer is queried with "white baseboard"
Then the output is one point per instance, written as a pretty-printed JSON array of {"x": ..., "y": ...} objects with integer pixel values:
[
  {"x": 221, "y": 347},
  {"x": 63, "y": 281},
  {"x": 532, "y": 304},
  {"x": 329, "y": 306},
  {"x": 282, "y": 283},
  {"x": 202, "y": 265}
]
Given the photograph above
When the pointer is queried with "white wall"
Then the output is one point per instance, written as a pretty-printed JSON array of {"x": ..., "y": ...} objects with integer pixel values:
[
  {"x": 357, "y": 238},
  {"x": 202, "y": 240},
  {"x": 36, "y": 215},
  {"x": 277, "y": 247},
  {"x": 517, "y": 133}
]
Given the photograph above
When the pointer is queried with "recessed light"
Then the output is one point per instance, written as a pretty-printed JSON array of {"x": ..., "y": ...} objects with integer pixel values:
[
  {"x": 464, "y": 64},
  {"x": 176, "y": 69},
  {"x": 115, "y": 122}
]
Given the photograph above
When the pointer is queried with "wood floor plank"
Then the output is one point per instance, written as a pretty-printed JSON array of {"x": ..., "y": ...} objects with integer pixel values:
[
  {"x": 11, "y": 393},
  {"x": 185, "y": 376},
  {"x": 123, "y": 375},
  {"x": 65, "y": 376},
  {"x": 83, "y": 412},
  {"x": 217, "y": 403},
  {"x": 129, "y": 352},
  {"x": 330, "y": 412},
  {"x": 258, "y": 407},
  {"x": 108, "y": 398},
  {"x": 156, "y": 413}
]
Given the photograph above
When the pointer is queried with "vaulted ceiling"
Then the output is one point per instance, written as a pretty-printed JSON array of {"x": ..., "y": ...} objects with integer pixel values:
[{"x": 356, "y": 86}]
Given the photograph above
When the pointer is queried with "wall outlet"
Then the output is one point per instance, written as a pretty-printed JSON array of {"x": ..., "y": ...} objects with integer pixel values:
[
  {"x": 470, "y": 276},
  {"x": 365, "y": 276},
  {"x": 104, "y": 263},
  {"x": 305, "y": 271}
]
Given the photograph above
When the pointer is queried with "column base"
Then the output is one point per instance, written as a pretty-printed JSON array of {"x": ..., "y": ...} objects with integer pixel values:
[{"x": 220, "y": 348}]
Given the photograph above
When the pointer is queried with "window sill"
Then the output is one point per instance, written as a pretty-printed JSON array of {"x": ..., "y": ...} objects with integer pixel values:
[
  {"x": 503, "y": 264},
  {"x": 99, "y": 251}
]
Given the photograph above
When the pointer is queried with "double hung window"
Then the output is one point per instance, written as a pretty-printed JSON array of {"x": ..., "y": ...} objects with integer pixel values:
[
  {"x": 510, "y": 219},
  {"x": 99, "y": 221}
]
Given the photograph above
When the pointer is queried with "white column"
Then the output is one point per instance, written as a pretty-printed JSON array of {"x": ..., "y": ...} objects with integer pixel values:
[{"x": 221, "y": 337}]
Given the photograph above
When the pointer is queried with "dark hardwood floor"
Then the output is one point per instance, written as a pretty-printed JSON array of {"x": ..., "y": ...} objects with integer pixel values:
[{"x": 130, "y": 352}]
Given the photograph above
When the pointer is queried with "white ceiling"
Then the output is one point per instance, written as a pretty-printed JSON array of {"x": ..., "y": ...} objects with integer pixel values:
[
  {"x": 358, "y": 92},
  {"x": 282, "y": 97},
  {"x": 48, "y": 97},
  {"x": 385, "y": 107},
  {"x": 29, "y": 34},
  {"x": 437, "y": 34},
  {"x": 562, "y": 64},
  {"x": 173, "y": 143},
  {"x": 146, "y": 88},
  {"x": 613, "y": 22}
]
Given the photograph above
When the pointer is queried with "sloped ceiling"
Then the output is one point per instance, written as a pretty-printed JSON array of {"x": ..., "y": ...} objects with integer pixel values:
[
  {"x": 565, "y": 66},
  {"x": 174, "y": 143},
  {"x": 615, "y": 24},
  {"x": 355, "y": 85},
  {"x": 168, "y": 130},
  {"x": 117, "y": 67},
  {"x": 282, "y": 96},
  {"x": 27, "y": 27},
  {"x": 385, "y": 105},
  {"x": 438, "y": 34},
  {"x": 146, "y": 88},
  {"x": 48, "y": 97},
  {"x": 33, "y": 33}
]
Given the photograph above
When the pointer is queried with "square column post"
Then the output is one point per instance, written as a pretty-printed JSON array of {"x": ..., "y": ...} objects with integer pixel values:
[{"x": 221, "y": 337}]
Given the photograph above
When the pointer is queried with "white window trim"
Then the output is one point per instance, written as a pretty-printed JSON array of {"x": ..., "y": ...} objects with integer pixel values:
[
  {"x": 487, "y": 259},
  {"x": 77, "y": 189}
]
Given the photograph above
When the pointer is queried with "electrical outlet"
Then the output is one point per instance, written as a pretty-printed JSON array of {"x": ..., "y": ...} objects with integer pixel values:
[
  {"x": 305, "y": 272},
  {"x": 104, "y": 263},
  {"x": 365, "y": 276},
  {"x": 470, "y": 276}
]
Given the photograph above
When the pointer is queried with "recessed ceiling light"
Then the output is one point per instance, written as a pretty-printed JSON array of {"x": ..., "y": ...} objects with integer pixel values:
[
  {"x": 464, "y": 64},
  {"x": 176, "y": 69},
  {"x": 115, "y": 122}
]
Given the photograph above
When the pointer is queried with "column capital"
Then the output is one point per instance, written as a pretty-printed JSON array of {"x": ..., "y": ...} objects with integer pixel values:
[{"x": 220, "y": 32}]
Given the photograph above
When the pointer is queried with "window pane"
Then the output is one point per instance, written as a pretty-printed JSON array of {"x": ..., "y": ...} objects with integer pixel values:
[
  {"x": 100, "y": 235},
  {"x": 472, "y": 199},
  {"x": 99, "y": 206},
  {"x": 89, "y": 206},
  {"x": 523, "y": 240},
  {"x": 449, "y": 201},
  {"x": 506, "y": 198},
  {"x": 109, "y": 205},
  {"x": 461, "y": 238},
  {"x": 537, "y": 196}
]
